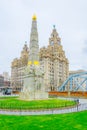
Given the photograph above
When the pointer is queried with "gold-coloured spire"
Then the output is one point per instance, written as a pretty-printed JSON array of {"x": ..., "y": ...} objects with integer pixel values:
[{"x": 34, "y": 17}]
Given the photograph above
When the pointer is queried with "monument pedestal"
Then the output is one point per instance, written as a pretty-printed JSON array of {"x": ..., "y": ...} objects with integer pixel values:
[
  {"x": 34, "y": 95},
  {"x": 34, "y": 88}
]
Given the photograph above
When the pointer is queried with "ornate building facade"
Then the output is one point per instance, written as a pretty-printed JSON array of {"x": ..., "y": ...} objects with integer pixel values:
[
  {"x": 17, "y": 69},
  {"x": 54, "y": 62},
  {"x": 52, "y": 59}
]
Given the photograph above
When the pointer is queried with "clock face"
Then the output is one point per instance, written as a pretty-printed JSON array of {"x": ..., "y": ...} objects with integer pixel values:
[{"x": 52, "y": 43}]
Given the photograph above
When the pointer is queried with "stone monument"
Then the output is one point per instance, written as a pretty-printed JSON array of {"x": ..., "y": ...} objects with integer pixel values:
[{"x": 33, "y": 88}]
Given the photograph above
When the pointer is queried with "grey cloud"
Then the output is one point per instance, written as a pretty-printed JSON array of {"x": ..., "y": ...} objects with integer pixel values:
[{"x": 69, "y": 16}]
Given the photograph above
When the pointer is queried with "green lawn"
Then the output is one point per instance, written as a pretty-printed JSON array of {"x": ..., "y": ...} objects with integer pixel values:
[
  {"x": 71, "y": 121},
  {"x": 15, "y": 103}
]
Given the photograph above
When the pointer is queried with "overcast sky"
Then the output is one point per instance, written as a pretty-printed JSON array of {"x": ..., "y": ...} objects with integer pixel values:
[{"x": 69, "y": 16}]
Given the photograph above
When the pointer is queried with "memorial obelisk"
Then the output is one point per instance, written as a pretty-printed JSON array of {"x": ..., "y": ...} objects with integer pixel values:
[{"x": 33, "y": 88}]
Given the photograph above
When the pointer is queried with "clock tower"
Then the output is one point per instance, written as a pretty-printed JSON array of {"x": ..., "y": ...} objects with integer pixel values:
[{"x": 54, "y": 39}]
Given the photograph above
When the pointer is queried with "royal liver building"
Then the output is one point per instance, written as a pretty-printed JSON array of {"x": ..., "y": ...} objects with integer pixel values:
[{"x": 52, "y": 60}]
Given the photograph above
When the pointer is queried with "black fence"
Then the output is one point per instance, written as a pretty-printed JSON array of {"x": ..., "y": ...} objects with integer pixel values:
[{"x": 21, "y": 111}]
